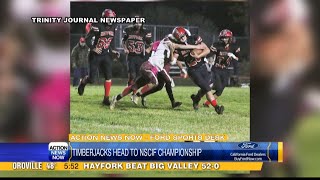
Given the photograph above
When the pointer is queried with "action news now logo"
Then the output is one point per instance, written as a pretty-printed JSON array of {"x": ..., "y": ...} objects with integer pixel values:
[{"x": 58, "y": 151}]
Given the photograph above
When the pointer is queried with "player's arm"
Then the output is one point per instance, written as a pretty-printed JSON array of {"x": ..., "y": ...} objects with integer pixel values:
[
  {"x": 148, "y": 39},
  {"x": 213, "y": 48},
  {"x": 181, "y": 46},
  {"x": 178, "y": 62},
  {"x": 74, "y": 55},
  {"x": 237, "y": 50},
  {"x": 174, "y": 58},
  {"x": 204, "y": 53},
  {"x": 124, "y": 41},
  {"x": 235, "y": 54},
  {"x": 149, "y": 49},
  {"x": 92, "y": 33},
  {"x": 114, "y": 52},
  {"x": 89, "y": 37},
  {"x": 183, "y": 70}
]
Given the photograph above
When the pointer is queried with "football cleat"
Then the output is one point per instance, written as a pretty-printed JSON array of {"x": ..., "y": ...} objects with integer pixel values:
[
  {"x": 176, "y": 104},
  {"x": 81, "y": 87},
  {"x": 135, "y": 99},
  {"x": 219, "y": 109},
  {"x": 106, "y": 101},
  {"x": 113, "y": 102},
  {"x": 195, "y": 103},
  {"x": 144, "y": 101}
]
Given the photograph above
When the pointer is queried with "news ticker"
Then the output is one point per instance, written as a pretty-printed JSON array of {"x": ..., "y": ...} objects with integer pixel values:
[
  {"x": 140, "y": 166},
  {"x": 142, "y": 151}
]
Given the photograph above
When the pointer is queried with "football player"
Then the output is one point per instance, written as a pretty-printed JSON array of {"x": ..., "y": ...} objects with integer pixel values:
[
  {"x": 163, "y": 77},
  {"x": 136, "y": 39},
  {"x": 154, "y": 66},
  {"x": 198, "y": 73},
  {"x": 99, "y": 39},
  {"x": 225, "y": 53}
]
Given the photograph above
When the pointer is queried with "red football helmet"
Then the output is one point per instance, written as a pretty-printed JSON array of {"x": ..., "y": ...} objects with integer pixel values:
[
  {"x": 226, "y": 36},
  {"x": 179, "y": 32},
  {"x": 108, "y": 13},
  {"x": 226, "y": 33}
]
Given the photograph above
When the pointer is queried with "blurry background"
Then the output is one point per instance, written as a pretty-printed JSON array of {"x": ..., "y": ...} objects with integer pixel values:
[
  {"x": 35, "y": 76},
  {"x": 285, "y": 95},
  {"x": 34, "y": 72}
]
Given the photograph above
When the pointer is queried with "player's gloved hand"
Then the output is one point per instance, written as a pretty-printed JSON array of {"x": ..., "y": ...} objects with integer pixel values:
[
  {"x": 238, "y": 50},
  {"x": 97, "y": 50}
]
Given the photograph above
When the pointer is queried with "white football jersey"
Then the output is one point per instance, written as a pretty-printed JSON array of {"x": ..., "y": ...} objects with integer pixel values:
[{"x": 163, "y": 51}]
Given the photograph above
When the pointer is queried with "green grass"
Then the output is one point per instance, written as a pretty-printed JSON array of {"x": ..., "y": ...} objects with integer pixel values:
[
  {"x": 305, "y": 145},
  {"x": 89, "y": 116}
]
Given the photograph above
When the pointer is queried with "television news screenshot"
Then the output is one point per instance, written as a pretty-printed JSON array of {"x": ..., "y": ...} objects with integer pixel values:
[{"x": 142, "y": 88}]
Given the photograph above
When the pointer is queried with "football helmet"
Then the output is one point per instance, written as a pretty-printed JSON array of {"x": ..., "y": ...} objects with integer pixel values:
[
  {"x": 108, "y": 13},
  {"x": 180, "y": 34},
  {"x": 226, "y": 36}
]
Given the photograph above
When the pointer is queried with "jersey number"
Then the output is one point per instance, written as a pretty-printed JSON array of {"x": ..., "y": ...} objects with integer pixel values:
[
  {"x": 104, "y": 42},
  {"x": 135, "y": 47}
]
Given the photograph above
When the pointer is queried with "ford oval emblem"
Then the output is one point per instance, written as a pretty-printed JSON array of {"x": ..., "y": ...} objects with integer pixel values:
[{"x": 248, "y": 145}]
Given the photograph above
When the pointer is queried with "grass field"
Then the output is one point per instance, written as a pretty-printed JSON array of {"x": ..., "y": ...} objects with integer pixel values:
[{"x": 89, "y": 116}]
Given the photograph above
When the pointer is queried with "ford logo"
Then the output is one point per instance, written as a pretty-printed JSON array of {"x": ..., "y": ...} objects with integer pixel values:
[{"x": 248, "y": 145}]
